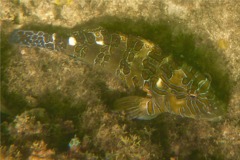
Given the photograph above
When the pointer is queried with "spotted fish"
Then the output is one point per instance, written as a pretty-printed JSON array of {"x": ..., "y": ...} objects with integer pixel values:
[{"x": 170, "y": 86}]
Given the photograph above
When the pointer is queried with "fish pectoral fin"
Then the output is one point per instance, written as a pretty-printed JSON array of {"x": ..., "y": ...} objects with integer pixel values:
[{"x": 136, "y": 107}]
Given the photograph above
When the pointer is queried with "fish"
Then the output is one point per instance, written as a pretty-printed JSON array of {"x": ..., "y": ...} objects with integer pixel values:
[{"x": 170, "y": 86}]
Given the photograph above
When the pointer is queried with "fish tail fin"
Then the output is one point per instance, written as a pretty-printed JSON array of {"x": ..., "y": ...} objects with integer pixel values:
[{"x": 136, "y": 107}]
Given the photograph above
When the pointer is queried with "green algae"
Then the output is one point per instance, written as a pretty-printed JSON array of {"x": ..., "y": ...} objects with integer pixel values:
[{"x": 170, "y": 37}]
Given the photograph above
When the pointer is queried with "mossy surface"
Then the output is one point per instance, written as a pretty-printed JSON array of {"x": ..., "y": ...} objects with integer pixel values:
[
  {"x": 49, "y": 99},
  {"x": 60, "y": 107}
]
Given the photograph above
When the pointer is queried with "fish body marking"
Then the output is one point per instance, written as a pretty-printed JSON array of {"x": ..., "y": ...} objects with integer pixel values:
[{"x": 170, "y": 86}]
